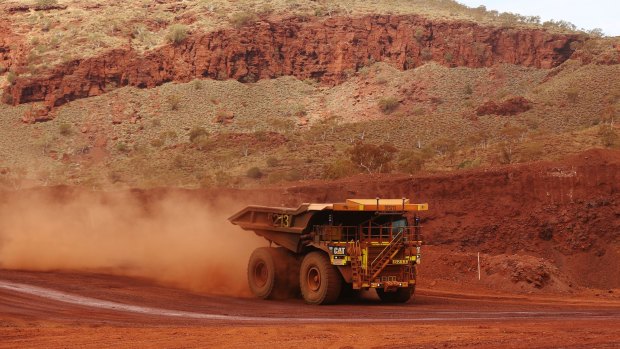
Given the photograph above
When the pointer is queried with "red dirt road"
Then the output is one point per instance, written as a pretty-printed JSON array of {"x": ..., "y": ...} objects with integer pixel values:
[{"x": 52, "y": 309}]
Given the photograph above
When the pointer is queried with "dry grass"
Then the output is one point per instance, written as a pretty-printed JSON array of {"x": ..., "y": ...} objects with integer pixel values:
[{"x": 150, "y": 141}]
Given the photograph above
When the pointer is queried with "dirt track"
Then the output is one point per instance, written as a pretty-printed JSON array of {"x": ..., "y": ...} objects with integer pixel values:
[{"x": 79, "y": 309}]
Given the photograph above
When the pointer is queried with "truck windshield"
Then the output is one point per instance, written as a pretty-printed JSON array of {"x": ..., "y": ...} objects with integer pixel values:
[{"x": 398, "y": 225}]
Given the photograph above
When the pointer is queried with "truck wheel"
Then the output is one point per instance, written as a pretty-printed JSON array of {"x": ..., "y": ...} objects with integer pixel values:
[
  {"x": 266, "y": 276},
  {"x": 401, "y": 295},
  {"x": 320, "y": 282}
]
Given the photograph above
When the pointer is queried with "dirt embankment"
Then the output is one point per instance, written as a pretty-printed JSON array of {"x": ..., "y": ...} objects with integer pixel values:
[
  {"x": 566, "y": 212},
  {"x": 326, "y": 50}
]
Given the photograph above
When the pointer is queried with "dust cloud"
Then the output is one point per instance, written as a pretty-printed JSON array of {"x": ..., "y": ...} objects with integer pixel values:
[{"x": 175, "y": 238}]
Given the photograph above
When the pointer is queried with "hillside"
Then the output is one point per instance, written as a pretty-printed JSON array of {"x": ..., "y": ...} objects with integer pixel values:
[{"x": 240, "y": 93}]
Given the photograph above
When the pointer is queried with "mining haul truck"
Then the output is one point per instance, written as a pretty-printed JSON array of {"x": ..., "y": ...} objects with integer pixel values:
[{"x": 329, "y": 250}]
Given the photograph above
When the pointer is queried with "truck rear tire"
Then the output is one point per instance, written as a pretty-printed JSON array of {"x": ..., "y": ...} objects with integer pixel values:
[
  {"x": 267, "y": 274},
  {"x": 401, "y": 295},
  {"x": 319, "y": 280}
]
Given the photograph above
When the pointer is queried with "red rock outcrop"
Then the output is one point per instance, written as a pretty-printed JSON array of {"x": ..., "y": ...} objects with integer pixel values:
[
  {"x": 325, "y": 50},
  {"x": 7, "y": 40},
  {"x": 511, "y": 106}
]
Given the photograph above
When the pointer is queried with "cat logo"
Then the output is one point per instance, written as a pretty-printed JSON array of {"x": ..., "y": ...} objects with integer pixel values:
[{"x": 337, "y": 250}]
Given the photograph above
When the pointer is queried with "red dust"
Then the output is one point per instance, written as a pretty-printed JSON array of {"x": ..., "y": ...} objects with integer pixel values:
[{"x": 173, "y": 238}]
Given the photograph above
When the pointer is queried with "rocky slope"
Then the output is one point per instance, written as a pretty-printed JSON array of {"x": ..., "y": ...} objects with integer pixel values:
[{"x": 326, "y": 50}]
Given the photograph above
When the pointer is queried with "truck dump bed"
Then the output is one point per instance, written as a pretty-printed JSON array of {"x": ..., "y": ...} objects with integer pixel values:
[{"x": 287, "y": 226}]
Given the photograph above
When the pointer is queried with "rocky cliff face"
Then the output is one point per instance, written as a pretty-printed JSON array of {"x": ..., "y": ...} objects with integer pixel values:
[
  {"x": 326, "y": 50},
  {"x": 7, "y": 40}
]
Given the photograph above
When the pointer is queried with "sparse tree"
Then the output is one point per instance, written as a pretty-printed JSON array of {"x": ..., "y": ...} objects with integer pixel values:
[{"x": 373, "y": 158}]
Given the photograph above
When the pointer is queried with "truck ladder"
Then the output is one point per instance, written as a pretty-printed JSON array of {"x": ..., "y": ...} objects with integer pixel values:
[
  {"x": 356, "y": 265},
  {"x": 384, "y": 257}
]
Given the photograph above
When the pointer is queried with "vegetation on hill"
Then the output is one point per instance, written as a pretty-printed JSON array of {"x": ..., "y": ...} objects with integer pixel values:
[{"x": 228, "y": 133}]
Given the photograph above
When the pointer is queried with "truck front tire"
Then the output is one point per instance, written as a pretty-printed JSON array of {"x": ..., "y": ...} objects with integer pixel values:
[{"x": 320, "y": 282}]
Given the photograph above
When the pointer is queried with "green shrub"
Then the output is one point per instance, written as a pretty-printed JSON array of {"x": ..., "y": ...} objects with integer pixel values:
[
  {"x": 254, "y": 173},
  {"x": 470, "y": 164},
  {"x": 115, "y": 177},
  {"x": 196, "y": 133},
  {"x": 294, "y": 175},
  {"x": 241, "y": 19},
  {"x": 418, "y": 111},
  {"x": 276, "y": 177},
  {"x": 174, "y": 102},
  {"x": 469, "y": 90},
  {"x": 299, "y": 110},
  {"x": 249, "y": 78},
  {"x": 157, "y": 142},
  {"x": 426, "y": 54},
  {"x": 572, "y": 95},
  {"x": 381, "y": 80},
  {"x": 122, "y": 147},
  {"x": 222, "y": 178},
  {"x": 411, "y": 161},
  {"x": 65, "y": 129},
  {"x": 388, "y": 104},
  {"x": 506, "y": 154},
  {"x": 177, "y": 33},
  {"x": 202, "y": 143},
  {"x": 260, "y": 135},
  {"x": 532, "y": 151},
  {"x": 198, "y": 84},
  {"x": 46, "y": 25},
  {"x": 11, "y": 77},
  {"x": 419, "y": 35},
  {"x": 171, "y": 135},
  {"x": 338, "y": 169},
  {"x": 273, "y": 162}
]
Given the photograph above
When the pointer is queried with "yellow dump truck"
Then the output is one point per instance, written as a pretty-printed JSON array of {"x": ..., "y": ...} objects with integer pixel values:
[{"x": 330, "y": 250}]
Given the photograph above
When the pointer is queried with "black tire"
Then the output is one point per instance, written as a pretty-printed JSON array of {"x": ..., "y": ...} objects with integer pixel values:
[
  {"x": 320, "y": 282},
  {"x": 401, "y": 295},
  {"x": 268, "y": 275}
]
